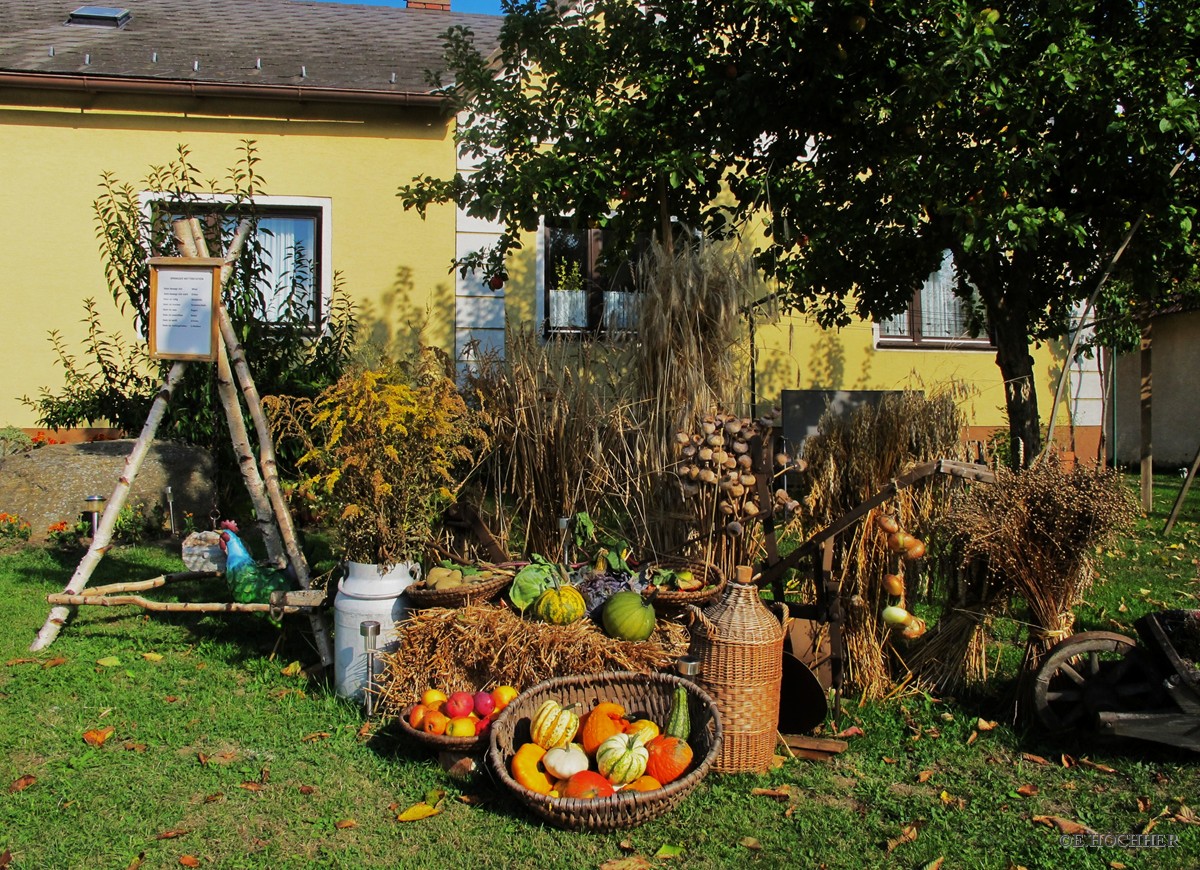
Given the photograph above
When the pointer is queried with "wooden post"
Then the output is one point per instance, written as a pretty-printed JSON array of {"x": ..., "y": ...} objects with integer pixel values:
[
  {"x": 101, "y": 540},
  {"x": 1147, "y": 450}
]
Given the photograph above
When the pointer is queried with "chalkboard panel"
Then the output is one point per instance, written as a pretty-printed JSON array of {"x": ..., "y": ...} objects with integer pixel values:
[{"x": 803, "y": 409}]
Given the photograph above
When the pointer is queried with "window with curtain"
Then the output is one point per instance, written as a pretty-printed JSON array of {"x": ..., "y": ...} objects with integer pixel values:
[{"x": 936, "y": 318}]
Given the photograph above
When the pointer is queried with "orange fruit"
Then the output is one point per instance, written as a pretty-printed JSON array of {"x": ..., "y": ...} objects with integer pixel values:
[
  {"x": 503, "y": 696},
  {"x": 417, "y": 715},
  {"x": 434, "y": 699},
  {"x": 435, "y": 722}
]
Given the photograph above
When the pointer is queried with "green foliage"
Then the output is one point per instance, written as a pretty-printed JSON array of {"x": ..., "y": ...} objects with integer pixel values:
[
  {"x": 14, "y": 441},
  {"x": 115, "y": 381},
  {"x": 854, "y": 144}
]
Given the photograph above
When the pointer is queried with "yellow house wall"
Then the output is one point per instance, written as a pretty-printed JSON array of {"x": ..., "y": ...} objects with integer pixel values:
[{"x": 54, "y": 148}]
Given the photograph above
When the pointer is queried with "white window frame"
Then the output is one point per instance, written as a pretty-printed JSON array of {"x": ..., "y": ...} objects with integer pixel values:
[
  {"x": 322, "y": 204},
  {"x": 915, "y": 339}
]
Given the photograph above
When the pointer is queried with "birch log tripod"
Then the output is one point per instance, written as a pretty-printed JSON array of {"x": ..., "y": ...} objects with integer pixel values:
[{"x": 260, "y": 476}]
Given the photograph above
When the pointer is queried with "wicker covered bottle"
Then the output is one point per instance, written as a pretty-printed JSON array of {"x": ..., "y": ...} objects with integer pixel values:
[{"x": 740, "y": 647}]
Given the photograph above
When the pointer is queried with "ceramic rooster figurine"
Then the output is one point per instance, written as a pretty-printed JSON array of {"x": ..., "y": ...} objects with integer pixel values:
[{"x": 249, "y": 582}]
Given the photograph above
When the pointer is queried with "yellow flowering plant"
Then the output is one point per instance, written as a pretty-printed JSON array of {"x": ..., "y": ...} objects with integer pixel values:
[{"x": 387, "y": 449}]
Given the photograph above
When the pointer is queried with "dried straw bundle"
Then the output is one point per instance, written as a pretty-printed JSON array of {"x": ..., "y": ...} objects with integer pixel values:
[
  {"x": 486, "y": 645},
  {"x": 1034, "y": 530},
  {"x": 851, "y": 457}
]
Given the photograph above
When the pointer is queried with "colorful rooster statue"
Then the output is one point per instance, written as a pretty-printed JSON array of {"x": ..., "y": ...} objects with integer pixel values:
[{"x": 249, "y": 582}]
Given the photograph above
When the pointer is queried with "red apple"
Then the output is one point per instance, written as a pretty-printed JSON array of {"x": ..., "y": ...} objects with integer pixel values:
[
  {"x": 495, "y": 282},
  {"x": 483, "y": 726},
  {"x": 459, "y": 704},
  {"x": 484, "y": 703}
]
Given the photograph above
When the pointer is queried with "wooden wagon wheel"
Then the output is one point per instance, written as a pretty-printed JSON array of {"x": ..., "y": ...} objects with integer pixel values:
[{"x": 1089, "y": 673}]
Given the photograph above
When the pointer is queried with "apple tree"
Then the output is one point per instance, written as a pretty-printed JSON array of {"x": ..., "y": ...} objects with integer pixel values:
[{"x": 867, "y": 137}]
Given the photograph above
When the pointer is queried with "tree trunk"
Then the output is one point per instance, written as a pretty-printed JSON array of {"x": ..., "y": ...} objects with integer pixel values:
[{"x": 1010, "y": 334}]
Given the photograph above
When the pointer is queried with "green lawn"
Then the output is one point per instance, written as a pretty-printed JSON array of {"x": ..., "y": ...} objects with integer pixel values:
[{"x": 216, "y": 754}]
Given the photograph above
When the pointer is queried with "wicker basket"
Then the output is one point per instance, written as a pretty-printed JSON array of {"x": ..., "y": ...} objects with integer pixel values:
[
  {"x": 740, "y": 647},
  {"x": 421, "y": 597},
  {"x": 440, "y": 742},
  {"x": 673, "y": 600},
  {"x": 647, "y": 694}
]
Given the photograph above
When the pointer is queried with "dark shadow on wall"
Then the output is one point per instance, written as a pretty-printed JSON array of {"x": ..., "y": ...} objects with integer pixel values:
[{"x": 397, "y": 325}]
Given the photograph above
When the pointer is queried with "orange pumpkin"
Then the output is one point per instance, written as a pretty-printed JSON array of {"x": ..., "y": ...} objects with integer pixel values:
[
  {"x": 668, "y": 758},
  {"x": 603, "y": 722},
  {"x": 528, "y": 770},
  {"x": 644, "y": 783},
  {"x": 587, "y": 784}
]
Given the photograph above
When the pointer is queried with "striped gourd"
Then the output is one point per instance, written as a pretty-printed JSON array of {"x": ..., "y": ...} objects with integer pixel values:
[
  {"x": 560, "y": 605},
  {"x": 622, "y": 758},
  {"x": 553, "y": 725}
]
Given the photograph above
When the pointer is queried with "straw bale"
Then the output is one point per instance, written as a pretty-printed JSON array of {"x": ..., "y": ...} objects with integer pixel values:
[{"x": 486, "y": 645}]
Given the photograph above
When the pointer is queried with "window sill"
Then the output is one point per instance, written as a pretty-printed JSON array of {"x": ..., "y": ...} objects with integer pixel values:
[{"x": 964, "y": 344}]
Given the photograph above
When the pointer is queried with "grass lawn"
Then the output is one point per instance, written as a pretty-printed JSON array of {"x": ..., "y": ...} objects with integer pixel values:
[{"x": 218, "y": 758}]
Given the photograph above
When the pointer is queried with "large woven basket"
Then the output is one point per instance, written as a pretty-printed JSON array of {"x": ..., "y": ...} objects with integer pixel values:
[
  {"x": 421, "y": 597},
  {"x": 648, "y": 695},
  {"x": 740, "y": 647},
  {"x": 673, "y": 600}
]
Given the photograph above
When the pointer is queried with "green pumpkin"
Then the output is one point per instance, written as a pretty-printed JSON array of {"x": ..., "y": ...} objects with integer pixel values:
[
  {"x": 627, "y": 616},
  {"x": 622, "y": 758},
  {"x": 560, "y": 605}
]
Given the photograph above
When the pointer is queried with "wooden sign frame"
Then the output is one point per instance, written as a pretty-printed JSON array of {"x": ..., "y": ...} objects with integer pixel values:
[{"x": 184, "y": 295}]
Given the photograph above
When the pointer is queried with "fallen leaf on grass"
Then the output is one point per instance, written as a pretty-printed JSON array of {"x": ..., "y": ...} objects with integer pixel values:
[
  {"x": 307, "y": 789},
  {"x": 1186, "y": 815},
  {"x": 54, "y": 662},
  {"x": 202, "y": 758},
  {"x": 780, "y": 793},
  {"x": 13, "y": 662},
  {"x": 626, "y": 846},
  {"x": 343, "y": 824},
  {"x": 5, "y": 859},
  {"x": 751, "y": 843},
  {"x": 213, "y": 798},
  {"x": 1065, "y": 826},
  {"x": 888, "y": 760},
  {"x": 97, "y": 736},
  {"x": 1028, "y": 790},
  {"x": 171, "y": 834},
  {"x": 852, "y": 731},
  {"x": 171, "y": 699},
  {"x": 1149, "y": 826},
  {"x": 1066, "y": 760},
  {"x": 984, "y": 725},
  {"x": 251, "y": 786},
  {"x": 666, "y": 850},
  {"x": 131, "y": 746},
  {"x": 21, "y": 783},
  {"x": 1036, "y": 759},
  {"x": 973, "y": 737},
  {"x": 1116, "y": 865},
  {"x": 907, "y": 834},
  {"x": 417, "y": 812},
  {"x": 109, "y": 662},
  {"x": 925, "y": 776},
  {"x": 152, "y": 656},
  {"x": 935, "y": 864},
  {"x": 315, "y": 736},
  {"x": 365, "y": 731},
  {"x": 1143, "y": 804},
  {"x": 292, "y": 670},
  {"x": 636, "y": 862},
  {"x": 137, "y": 862},
  {"x": 1103, "y": 768},
  {"x": 189, "y": 861}
]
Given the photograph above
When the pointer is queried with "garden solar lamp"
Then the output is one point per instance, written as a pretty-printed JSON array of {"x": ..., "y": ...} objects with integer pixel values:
[
  {"x": 688, "y": 667},
  {"x": 369, "y": 629},
  {"x": 91, "y": 506}
]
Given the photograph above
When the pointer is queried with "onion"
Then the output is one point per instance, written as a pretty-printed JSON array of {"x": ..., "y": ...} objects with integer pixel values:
[
  {"x": 898, "y": 542},
  {"x": 896, "y": 615},
  {"x": 887, "y": 523},
  {"x": 915, "y": 550},
  {"x": 893, "y": 584}
]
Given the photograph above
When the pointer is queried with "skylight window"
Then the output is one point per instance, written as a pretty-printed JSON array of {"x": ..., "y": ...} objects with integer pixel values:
[{"x": 100, "y": 16}]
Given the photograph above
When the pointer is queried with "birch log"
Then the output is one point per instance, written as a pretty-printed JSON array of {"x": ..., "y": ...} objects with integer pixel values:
[{"x": 101, "y": 542}]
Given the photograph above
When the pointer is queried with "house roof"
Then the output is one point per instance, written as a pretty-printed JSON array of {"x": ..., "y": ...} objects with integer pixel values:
[{"x": 287, "y": 49}]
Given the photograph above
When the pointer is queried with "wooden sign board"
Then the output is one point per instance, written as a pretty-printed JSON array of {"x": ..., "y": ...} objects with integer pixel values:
[{"x": 184, "y": 294}]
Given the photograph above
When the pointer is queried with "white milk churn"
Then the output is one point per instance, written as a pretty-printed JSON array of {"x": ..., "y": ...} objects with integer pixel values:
[{"x": 367, "y": 592}]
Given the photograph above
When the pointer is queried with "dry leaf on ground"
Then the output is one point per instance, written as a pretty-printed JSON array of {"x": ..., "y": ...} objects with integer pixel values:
[
  {"x": 1028, "y": 790},
  {"x": 54, "y": 662},
  {"x": 852, "y": 731},
  {"x": 984, "y": 725},
  {"x": 925, "y": 776},
  {"x": 21, "y": 783},
  {"x": 171, "y": 834},
  {"x": 907, "y": 834},
  {"x": 1036, "y": 759},
  {"x": 635, "y": 862},
  {"x": 1065, "y": 826},
  {"x": 189, "y": 861},
  {"x": 342, "y": 824},
  {"x": 751, "y": 843},
  {"x": 97, "y": 736},
  {"x": 417, "y": 812},
  {"x": 315, "y": 736}
]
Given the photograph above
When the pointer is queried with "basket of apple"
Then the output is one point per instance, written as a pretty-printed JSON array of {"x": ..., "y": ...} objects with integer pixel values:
[{"x": 459, "y": 721}]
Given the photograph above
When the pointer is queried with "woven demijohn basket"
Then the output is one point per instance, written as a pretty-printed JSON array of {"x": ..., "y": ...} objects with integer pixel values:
[{"x": 740, "y": 647}]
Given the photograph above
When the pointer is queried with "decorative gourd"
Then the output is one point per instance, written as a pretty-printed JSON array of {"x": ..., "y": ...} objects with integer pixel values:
[
  {"x": 602, "y": 723},
  {"x": 621, "y": 758},
  {"x": 560, "y": 605},
  {"x": 679, "y": 724},
  {"x": 563, "y": 762},
  {"x": 587, "y": 784},
  {"x": 627, "y": 616},
  {"x": 644, "y": 783},
  {"x": 528, "y": 768},
  {"x": 644, "y": 728},
  {"x": 553, "y": 725},
  {"x": 667, "y": 758}
]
